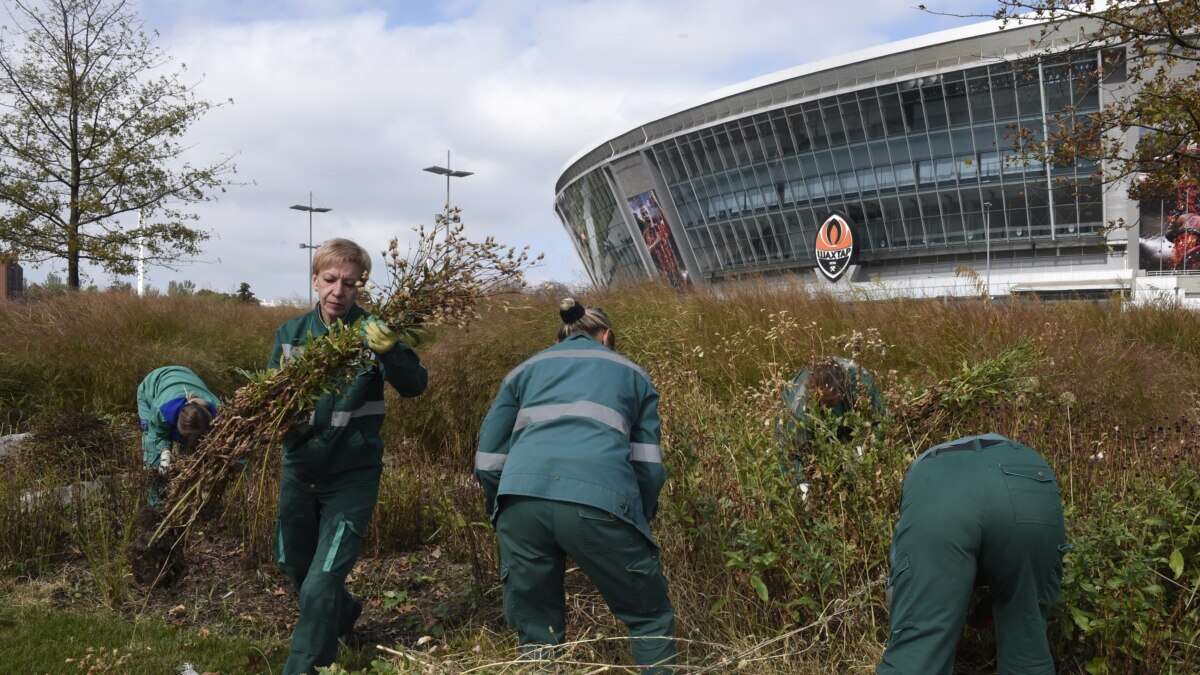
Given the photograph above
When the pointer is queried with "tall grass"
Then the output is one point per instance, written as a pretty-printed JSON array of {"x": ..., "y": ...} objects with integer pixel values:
[
  {"x": 89, "y": 351},
  {"x": 760, "y": 575}
]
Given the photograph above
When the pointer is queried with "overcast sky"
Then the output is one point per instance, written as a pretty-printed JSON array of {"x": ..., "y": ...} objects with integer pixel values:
[{"x": 351, "y": 98}]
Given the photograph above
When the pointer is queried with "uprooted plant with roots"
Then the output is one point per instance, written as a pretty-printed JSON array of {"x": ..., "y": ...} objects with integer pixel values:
[{"x": 438, "y": 283}]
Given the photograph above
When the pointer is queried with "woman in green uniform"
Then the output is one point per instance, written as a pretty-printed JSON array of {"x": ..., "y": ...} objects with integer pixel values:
[
  {"x": 974, "y": 511},
  {"x": 570, "y": 463},
  {"x": 175, "y": 408},
  {"x": 331, "y": 466}
]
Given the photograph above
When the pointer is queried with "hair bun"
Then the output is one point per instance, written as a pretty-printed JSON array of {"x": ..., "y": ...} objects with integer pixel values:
[{"x": 570, "y": 311}]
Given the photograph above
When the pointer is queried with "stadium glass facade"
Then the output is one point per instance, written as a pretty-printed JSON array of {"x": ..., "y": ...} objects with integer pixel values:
[{"x": 928, "y": 167}]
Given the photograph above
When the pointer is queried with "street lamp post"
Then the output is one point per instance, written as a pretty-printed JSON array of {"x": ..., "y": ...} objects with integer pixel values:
[
  {"x": 987, "y": 238},
  {"x": 311, "y": 210},
  {"x": 448, "y": 173}
]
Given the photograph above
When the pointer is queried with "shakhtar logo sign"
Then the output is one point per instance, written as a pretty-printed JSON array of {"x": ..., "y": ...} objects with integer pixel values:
[{"x": 835, "y": 247}]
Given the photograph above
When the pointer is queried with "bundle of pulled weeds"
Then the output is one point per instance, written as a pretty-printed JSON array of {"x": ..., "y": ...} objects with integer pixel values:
[{"x": 439, "y": 282}]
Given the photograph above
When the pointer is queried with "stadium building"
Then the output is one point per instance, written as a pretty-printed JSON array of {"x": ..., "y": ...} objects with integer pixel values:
[{"x": 886, "y": 171}]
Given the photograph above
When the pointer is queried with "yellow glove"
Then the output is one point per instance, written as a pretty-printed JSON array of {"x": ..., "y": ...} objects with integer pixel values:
[{"x": 380, "y": 338}]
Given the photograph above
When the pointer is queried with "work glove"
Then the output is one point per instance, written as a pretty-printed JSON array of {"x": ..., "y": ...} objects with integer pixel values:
[
  {"x": 379, "y": 337},
  {"x": 414, "y": 336}
]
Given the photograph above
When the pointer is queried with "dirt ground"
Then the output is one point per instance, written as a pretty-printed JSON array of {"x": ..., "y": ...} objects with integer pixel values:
[{"x": 405, "y": 596}]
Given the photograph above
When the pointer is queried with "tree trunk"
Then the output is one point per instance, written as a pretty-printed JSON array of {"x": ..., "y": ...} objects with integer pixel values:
[{"x": 73, "y": 256}]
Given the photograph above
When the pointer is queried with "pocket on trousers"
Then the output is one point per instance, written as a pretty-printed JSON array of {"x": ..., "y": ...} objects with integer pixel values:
[
  {"x": 647, "y": 584},
  {"x": 1034, "y": 493},
  {"x": 343, "y": 550},
  {"x": 601, "y": 531}
]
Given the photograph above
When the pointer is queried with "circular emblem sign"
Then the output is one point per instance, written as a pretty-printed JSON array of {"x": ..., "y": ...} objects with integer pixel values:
[{"x": 835, "y": 247}]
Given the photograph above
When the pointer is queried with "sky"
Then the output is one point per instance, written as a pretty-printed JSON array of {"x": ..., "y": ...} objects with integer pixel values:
[{"x": 352, "y": 98}]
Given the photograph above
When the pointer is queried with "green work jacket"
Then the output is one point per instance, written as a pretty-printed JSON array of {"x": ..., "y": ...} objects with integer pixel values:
[
  {"x": 344, "y": 428},
  {"x": 160, "y": 396},
  {"x": 576, "y": 422}
]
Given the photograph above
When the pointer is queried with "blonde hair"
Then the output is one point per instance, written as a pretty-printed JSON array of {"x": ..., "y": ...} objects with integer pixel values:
[
  {"x": 580, "y": 320},
  {"x": 335, "y": 251},
  {"x": 194, "y": 419}
]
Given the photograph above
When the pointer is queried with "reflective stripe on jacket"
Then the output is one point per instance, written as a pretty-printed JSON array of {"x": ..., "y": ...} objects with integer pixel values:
[
  {"x": 576, "y": 422},
  {"x": 344, "y": 433}
]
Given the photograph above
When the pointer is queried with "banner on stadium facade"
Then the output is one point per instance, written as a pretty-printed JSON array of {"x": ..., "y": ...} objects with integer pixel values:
[
  {"x": 652, "y": 224},
  {"x": 835, "y": 247}
]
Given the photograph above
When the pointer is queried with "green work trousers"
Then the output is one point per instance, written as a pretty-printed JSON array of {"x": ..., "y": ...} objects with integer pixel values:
[
  {"x": 984, "y": 506},
  {"x": 536, "y": 536},
  {"x": 317, "y": 540}
]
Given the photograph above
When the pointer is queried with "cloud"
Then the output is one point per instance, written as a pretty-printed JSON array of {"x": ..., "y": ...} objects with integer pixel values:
[{"x": 351, "y": 100}]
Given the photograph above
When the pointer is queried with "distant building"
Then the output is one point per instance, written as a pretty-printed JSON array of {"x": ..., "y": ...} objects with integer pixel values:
[
  {"x": 894, "y": 165},
  {"x": 12, "y": 281}
]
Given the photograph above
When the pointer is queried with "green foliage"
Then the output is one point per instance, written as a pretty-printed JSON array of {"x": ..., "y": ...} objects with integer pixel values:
[
  {"x": 92, "y": 140},
  {"x": 1127, "y": 592},
  {"x": 244, "y": 294}
]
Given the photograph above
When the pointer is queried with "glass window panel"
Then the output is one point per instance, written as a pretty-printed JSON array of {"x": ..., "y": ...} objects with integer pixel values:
[
  {"x": 866, "y": 179},
  {"x": 809, "y": 164},
  {"x": 968, "y": 168},
  {"x": 825, "y": 163},
  {"x": 799, "y": 131},
  {"x": 949, "y": 202},
  {"x": 939, "y": 144},
  {"x": 925, "y": 172},
  {"x": 971, "y": 202},
  {"x": 952, "y": 216},
  {"x": 812, "y": 118},
  {"x": 791, "y": 166},
  {"x": 815, "y": 188},
  {"x": 712, "y": 156},
  {"x": 830, "y": 182},
  {"x": 739, "y": 144},
  {"x": 1058, "y": 87},
  {"x": 1066, "y": 219},
  {"x": 946, "y": 169},
  {"x": 851, "y": 118},
  {"x": 897, "y": 150},
  {"x": 905, "y": 176},
  {"x": 956, "y": 100},
  {"x": 962, "y": 140},
  {"x": 872, "y": 118},
  {"x": 833, "y": 123},
  {"x": 1084, "y": 84},
  {"x": 985, "y": 138},
  {"x": 1004, "y": 96},
  {"x": 849, "y": 182},
  {"x": 783, "y": 135},
  {"x": 893, "y": 114},
  {"x": 758, "y": 135},
  {"x": 885, "y": 177},
  {"x": 913, "y": 108},
  {"x": 918, "y": 146},
  {"x": 989, "y": 164},
  {"x": 1029, "y": 96},
  {"x": 935, "y": 106},
  {"x": 728, "y": 159},
  {"x": 860, "y": 157},
  {"x": 980, "y": 96},
  {"x": 841, "y": 158}
]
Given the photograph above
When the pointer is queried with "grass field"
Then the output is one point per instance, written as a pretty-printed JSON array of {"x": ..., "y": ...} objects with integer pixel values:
[{"x": 762, "y": 578}]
